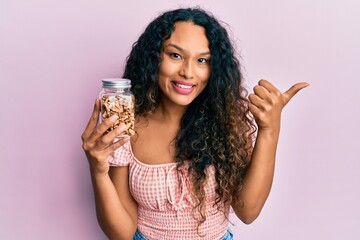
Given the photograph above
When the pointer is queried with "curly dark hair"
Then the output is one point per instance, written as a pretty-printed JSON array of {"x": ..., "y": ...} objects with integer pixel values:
[{"x": 217, "y": 128}]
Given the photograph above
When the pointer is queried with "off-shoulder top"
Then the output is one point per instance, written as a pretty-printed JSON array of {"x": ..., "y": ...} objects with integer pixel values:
[{"x": 165, "y": 205}]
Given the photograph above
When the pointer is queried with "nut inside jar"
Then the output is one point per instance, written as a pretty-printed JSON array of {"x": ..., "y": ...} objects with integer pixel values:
[{"x": 123, "y": 107}]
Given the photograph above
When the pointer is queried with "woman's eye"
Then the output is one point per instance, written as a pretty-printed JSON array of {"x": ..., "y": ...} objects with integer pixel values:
[
  {"x": 203, "y": 60},
  {"x": 175, "y": 55}
]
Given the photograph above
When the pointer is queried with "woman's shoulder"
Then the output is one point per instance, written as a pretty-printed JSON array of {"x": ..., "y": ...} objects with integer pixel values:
[{"x": 121, "y": 156}]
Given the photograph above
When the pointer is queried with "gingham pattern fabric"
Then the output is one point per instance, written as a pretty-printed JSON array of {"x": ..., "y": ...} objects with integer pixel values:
[{"x": 165, "y": 208}]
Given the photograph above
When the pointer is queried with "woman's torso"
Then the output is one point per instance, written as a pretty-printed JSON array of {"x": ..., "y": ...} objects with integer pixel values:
[{"x": 163, "y": 191}]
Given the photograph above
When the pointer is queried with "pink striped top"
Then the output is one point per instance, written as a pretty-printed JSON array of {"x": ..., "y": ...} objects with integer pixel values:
[{"x": 164, "y": 202}]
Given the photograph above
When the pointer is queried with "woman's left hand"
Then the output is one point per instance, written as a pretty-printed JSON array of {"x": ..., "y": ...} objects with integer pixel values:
[{"x": 267, "y": 102}]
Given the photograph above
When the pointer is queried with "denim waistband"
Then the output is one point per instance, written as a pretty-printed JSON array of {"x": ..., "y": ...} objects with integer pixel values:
[{"x": 228, "y": 235}]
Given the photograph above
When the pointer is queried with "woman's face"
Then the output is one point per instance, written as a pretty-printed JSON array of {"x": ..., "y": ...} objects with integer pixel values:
[{"x": 184, "y": 70}]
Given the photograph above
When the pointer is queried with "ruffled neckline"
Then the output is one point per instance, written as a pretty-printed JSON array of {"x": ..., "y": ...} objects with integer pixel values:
[{"x": 147, "y": 164}]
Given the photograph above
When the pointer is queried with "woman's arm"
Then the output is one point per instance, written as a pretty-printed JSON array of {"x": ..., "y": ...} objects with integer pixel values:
[
  {"x": 266, "y": 105},
  {"x": 115, "y": 208}
]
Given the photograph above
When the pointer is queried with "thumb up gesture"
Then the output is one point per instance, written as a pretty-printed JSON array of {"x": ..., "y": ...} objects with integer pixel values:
[{"x": 267, "y": 102}]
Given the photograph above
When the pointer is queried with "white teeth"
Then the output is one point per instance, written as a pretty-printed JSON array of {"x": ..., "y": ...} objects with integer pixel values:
[{"x": 183, "y": 86}]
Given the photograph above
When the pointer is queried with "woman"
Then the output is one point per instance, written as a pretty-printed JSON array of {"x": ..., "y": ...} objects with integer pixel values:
[{"x": 192, "y": 158}]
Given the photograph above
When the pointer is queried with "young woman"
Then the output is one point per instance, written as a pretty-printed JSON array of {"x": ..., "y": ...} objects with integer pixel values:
[{"x": 193, "y": 157}]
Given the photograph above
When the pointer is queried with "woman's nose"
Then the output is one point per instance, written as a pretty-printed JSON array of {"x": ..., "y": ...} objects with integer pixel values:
[{"x": 186, "y": 70}]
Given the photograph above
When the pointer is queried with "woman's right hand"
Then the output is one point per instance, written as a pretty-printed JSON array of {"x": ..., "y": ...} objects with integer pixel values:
[{"x": 97, "y": 146}]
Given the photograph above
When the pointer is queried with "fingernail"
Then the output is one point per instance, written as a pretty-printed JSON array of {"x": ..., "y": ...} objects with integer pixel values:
[
  {"x": 114, "y": 117},
  {"x": 120, "y": 128}
]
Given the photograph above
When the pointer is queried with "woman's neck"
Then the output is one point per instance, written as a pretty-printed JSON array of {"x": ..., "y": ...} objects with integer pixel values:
[{"x": 169, "y": 113}]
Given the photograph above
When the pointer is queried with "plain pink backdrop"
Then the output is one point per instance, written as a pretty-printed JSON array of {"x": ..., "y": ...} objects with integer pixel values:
[{"x": 54, "y": 53}]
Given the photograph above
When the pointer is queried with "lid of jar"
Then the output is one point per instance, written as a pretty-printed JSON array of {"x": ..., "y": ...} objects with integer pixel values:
[{"x": 116, "y": 83}]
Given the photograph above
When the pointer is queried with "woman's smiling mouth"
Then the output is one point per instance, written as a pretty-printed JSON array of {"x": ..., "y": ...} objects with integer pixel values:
[{"x": 183, "y": 87}]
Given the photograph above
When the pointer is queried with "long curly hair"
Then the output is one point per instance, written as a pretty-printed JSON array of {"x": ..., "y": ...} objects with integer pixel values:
[{"x": 217, "y": 128}]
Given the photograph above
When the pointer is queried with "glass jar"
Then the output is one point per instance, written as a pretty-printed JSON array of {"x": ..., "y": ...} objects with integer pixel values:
[{"x": 116, "y": 98}]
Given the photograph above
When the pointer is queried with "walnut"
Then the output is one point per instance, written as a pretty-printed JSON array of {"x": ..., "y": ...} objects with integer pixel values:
[{"x": 121, "y": 105}]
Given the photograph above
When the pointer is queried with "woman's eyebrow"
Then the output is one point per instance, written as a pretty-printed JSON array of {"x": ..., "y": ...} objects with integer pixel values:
[
  {"x": 182, "y": 50},
  {"x": 175, "y": 46}
]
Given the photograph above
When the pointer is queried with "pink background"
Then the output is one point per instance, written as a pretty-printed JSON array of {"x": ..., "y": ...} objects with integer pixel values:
[{"x": 54, "y": 53}]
